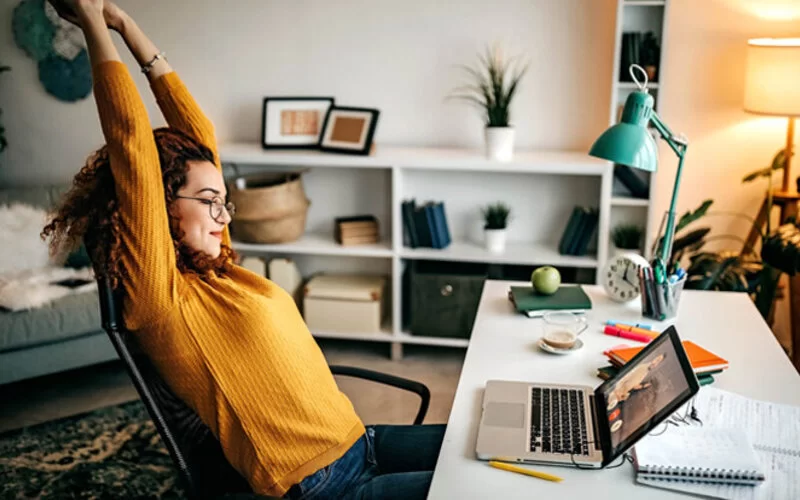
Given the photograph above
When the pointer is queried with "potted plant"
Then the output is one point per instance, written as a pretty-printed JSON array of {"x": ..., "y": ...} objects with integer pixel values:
[
  {"x": 496, "y": 217},
  {"x": 627, "y": 238},
  {"x": 650, "y": 55},
  {"x": 492, "y": 90}
]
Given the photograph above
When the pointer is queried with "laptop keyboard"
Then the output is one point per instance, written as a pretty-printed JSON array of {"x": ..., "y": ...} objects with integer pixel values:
[{"x": 558, "y": 423}]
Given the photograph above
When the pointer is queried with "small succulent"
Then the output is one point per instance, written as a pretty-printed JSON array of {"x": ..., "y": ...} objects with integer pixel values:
[
  {"x": 627, "y": 236},
  {"x": 496, "y": 216}
]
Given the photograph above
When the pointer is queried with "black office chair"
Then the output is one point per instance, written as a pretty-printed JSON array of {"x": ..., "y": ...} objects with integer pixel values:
[{"x": 194, "y": 449}]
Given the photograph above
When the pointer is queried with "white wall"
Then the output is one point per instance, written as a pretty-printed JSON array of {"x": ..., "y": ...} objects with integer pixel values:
[
  {"x": 398, "y": 56},
  {"x": 703, "y": 88}
]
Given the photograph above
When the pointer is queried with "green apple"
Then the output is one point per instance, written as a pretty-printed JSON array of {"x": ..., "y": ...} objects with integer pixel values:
[{"x": 546, "y": 280}]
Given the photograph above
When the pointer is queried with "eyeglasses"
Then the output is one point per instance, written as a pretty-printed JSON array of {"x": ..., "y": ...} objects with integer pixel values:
[{"x": 215, "y": 206}]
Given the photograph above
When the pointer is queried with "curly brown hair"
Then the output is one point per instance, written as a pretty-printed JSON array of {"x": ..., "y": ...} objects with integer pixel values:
[{"x": 89, "y": 212}]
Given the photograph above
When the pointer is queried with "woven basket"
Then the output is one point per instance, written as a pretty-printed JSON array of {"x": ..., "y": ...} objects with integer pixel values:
[{"x": 272, "y": 208}]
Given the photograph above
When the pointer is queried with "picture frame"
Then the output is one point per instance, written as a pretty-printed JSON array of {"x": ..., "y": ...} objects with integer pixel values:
[
  {"x": 293, "y": 122},
  {"x": 349, "y": 130}
]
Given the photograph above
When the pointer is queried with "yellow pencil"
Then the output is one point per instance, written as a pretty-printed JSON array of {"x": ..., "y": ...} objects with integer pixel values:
[{"x": 527, "y": 472}]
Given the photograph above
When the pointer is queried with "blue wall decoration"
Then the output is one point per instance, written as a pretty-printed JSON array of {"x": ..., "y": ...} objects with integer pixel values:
[{"x": 57, "y": 46}]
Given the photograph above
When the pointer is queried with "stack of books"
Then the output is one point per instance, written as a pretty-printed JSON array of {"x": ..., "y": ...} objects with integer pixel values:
[
  {"x": 425, "y": 225},
  {"x": 705, "y": 363},
  {"x": 579, "y": 232},
  {"x": 356, "y": 230}
]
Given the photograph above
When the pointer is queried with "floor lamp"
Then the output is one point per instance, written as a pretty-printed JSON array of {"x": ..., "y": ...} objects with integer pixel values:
[{"x": 772, "y": 88}]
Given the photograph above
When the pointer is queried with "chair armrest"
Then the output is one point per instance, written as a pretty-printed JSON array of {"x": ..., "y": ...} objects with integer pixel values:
[{"x": 417, "y": 388}]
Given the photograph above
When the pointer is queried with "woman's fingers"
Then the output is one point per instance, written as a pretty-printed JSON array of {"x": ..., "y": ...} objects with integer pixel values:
[{"x": 65, "y": 11}]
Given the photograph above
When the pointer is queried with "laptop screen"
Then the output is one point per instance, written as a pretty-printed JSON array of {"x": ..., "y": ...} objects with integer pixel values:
[{"x": 650, "y": 387}]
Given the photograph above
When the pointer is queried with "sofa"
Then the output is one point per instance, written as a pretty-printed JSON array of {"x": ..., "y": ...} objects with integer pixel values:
[{"x": 62, "y": 335}]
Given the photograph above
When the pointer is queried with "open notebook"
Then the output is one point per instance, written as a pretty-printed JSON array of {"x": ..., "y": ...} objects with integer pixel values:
[
  {"x": 774, "y": 431},
  {"x": 698, "y": 454}
]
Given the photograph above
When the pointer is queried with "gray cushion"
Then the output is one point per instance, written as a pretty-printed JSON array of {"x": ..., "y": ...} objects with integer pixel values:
[{"x": 65, "y": 318}]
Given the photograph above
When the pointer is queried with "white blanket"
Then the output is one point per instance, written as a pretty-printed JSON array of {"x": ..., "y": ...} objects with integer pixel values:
[{"x": 34, "y": 287}]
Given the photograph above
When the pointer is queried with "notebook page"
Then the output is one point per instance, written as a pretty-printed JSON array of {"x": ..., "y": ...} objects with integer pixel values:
[
  {"x": 769, "y": 426},
  {"x": 698, "y": 448}
]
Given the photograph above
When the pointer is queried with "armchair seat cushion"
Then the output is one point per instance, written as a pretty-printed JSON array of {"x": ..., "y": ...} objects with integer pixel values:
[{"x": 65, "y": 318}]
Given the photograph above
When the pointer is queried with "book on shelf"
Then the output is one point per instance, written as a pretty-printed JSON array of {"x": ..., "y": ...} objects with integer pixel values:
[
  {"x": 579, "y": 231},
  {"x": 356, "y": 230},
  {"x": 425, "y": 225},
  {"x": 631, "y": 180}
]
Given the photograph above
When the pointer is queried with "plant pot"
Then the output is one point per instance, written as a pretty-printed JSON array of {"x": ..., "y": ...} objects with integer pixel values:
[
  {"x": 499, "y": 143},
  {"x": 495, "y": 240},
  {"x": 616, "y": 251}
]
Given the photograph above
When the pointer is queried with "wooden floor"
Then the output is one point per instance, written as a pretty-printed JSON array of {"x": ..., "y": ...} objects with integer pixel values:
[{"x": 52, "y": 397}]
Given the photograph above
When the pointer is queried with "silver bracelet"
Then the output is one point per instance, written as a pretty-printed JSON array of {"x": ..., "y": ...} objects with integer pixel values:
[{"x": 147, "y": 67}]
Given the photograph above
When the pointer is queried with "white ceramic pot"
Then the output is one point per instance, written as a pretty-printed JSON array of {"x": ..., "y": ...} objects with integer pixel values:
[
  {"x": 499, "y": 143},
  {"x": 495, "y": 240},
  {"x": 616, "y": 251}
]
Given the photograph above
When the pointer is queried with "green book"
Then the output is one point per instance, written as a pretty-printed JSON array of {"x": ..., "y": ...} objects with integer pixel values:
[{"x": 527, "y": 301}]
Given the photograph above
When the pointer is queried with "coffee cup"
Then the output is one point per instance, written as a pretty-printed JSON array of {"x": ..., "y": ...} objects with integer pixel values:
[{"x": 561, "y": 329}]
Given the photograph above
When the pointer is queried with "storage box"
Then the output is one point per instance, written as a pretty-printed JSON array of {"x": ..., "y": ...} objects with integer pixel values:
[
  {"x": 344, "y": 303},
  {"x": 444, "y": 298}
]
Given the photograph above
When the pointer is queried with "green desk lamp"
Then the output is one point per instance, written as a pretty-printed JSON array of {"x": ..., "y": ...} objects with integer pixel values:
[{"x": 630, "y": 143}]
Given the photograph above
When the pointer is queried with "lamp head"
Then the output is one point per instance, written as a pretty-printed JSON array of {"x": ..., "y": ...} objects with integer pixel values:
[{"x": 629, "y": 142}]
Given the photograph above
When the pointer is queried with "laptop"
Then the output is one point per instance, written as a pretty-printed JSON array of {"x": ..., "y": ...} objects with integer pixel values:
[{"x": 557, "y": 424}]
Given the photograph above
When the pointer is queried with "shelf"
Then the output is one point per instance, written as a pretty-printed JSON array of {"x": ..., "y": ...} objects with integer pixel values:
[
  {"x": 543, "y": 162},
  {"x": 316, "y": 244},
  {"x": 627, "y": 201},
  {"x": 516, "y": 253},
  {"x": 634, "y": 86},
  {"x": 645, "y": 3},
  {"x": 386, "y": 336},
  {"x": 407, "y": 338}
]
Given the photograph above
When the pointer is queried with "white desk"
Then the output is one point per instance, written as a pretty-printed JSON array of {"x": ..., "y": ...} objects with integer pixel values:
[{"x": 502, "y": 346}]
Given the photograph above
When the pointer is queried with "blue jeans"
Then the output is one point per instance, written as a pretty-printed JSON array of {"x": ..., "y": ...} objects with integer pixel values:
[{"x": 389, "y": 461}]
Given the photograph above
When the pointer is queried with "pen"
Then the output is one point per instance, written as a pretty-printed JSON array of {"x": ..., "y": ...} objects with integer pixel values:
[
  {"x": 616, "y": 332},
  {"x": 614, "y": 322},
  {"x": 640, "y": 331},
  {"x": 527, "y": 472}
]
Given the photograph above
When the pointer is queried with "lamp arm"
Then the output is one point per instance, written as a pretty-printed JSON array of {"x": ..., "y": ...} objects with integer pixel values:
[{"x": 678, "y": 145}]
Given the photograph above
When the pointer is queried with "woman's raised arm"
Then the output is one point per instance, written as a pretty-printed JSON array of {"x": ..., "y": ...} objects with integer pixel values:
[{"x": 152, "y": 279}]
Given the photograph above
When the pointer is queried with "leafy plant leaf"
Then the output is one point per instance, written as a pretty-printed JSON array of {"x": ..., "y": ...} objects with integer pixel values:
[{"x": 778, "y": 163}]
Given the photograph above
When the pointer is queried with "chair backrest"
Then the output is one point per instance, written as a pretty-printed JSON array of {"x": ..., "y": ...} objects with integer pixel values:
[{"x": 194, "y": 449}]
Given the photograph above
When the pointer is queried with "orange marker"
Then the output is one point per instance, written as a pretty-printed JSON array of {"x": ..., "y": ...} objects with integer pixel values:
[{"x": 635, "y": 329}]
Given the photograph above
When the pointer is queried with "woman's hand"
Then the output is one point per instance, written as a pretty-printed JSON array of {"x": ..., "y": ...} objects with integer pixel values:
[{"x": 73, "y": 10}]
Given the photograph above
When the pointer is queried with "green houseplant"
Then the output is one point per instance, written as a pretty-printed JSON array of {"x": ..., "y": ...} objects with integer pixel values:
[
  {"x": 627, "y": 238},
  {"x": 494, "y": 84},
  {"x": 496, "y": 217}
]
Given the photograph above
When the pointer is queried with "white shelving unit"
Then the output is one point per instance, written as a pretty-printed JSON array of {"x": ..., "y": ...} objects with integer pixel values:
[
  {"x": 643, "y": 16},
  {"x": 541, "y": 186}
]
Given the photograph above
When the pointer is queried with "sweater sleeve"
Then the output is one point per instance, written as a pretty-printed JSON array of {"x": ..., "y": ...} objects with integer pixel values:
[
  {"x": 182, "y": 112},
  {"x": 151, "y": 278}
]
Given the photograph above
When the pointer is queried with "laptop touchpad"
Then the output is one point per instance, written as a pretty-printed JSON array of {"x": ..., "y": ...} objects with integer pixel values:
[{"x": 505, "y": 415}]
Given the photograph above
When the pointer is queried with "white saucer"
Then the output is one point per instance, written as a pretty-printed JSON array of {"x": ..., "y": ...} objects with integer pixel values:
[{"x": 555, "y": 350}]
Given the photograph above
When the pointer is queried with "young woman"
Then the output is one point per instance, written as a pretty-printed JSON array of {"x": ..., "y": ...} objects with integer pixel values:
[{"x": 150, "y": 207}]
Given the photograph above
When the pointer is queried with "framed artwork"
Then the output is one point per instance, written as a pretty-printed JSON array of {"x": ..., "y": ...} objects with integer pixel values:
[
  {"x": 293, "y": 122},
  {"x": 349, "y": 130}
]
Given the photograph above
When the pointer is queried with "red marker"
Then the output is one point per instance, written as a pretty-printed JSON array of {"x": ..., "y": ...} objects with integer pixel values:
[{"x": 625, "y": 334}]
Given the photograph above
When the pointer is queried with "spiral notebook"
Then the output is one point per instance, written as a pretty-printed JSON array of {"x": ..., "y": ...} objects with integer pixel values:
[{"x": 706, "y": 455}]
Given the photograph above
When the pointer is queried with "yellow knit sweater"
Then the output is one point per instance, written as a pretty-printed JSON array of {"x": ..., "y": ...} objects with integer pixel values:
[{"x": 234, "y": 347}]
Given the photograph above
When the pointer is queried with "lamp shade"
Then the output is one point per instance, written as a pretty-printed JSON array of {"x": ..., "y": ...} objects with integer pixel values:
[
  {"x": 772, "y": 82},
  {"x": 629, "y": 142}
]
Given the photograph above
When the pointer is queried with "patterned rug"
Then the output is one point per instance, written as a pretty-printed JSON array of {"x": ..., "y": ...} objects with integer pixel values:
[{"x": 113, "y": 452}]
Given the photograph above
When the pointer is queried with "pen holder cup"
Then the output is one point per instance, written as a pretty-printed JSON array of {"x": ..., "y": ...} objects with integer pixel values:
[{"x": 660, "y": 300}]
